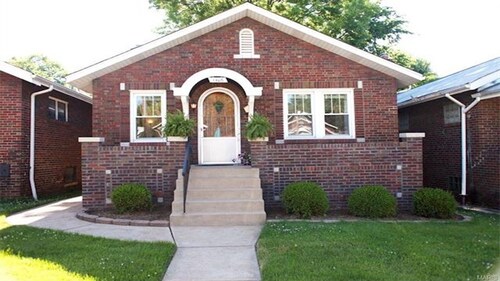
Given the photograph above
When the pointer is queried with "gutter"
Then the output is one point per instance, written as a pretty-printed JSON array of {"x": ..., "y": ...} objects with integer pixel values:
[
  {"x": 435, "y": 96},
  {"x": 463, "y": 113},
  {"x": 32, "y": 139}
]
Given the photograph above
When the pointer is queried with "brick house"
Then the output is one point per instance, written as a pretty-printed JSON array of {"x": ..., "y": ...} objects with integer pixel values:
[
  {"x": 433, "y": 109},
  {"x": 333, "y": 108},
  {"x": 61, "y": 116}
]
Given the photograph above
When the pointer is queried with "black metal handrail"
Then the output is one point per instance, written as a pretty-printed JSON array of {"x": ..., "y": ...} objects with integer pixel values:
[{"x": 186, "y": 168}]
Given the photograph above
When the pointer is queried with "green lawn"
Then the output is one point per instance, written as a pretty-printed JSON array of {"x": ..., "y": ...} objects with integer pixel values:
[
  {"x": 371, "y": 250},
  {"x": 28, "y": 253}
]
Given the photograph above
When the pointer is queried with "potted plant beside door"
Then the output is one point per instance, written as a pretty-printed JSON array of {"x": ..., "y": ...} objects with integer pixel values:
[
  {"x": 178, "y": 127},
  {"x": 258, "y": 128}
]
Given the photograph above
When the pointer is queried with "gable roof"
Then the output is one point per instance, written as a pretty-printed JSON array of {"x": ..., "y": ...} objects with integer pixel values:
[
  {"x": 83, "y": 78},
  {"x": 472, "y": 78},
  {"x": 40, "y": 81}
]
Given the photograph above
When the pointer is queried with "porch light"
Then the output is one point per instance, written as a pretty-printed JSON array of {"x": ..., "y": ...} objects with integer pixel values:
[
  {"x": 246, "y": 109},
  {"x": 193, "y": 105}
]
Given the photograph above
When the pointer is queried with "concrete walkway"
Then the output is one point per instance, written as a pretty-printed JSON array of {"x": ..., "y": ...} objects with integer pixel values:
[
  {"x": 215, "y": 253},
  {"x": 203, "y": 253},
  {"x": 62, "y": 216}
]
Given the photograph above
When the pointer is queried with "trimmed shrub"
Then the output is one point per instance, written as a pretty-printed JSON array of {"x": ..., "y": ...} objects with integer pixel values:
[
  {"x": 305, "y": 199},
  {"x": 130, "y": 197},
  {"x": 372, "y": 202},
  {"x": 434, "y": 203}
]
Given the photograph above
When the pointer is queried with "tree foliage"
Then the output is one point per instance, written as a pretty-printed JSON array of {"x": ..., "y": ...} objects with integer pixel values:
[
  {"x": 416, "y": 64},
  {"x": 364, "y": 24},
  {"x": 42, "y": 66}
]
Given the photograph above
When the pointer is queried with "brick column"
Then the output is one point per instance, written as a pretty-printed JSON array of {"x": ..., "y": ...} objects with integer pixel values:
[
  {"x": 93, "y": 189},
  {"x": 412, "y": 167}
]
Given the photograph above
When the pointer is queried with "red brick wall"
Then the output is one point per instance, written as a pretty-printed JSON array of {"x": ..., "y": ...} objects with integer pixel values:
[
  {"x": 13, "y": 140},
  {"x": 56, "y": 142},
  {"x": 484, "y": 165},
  {"x": 285, "y": 59},
  {"x": 340, "y": 168},
  {"x": 442, "y": 147},
  {"x": 137, "y": 164}
]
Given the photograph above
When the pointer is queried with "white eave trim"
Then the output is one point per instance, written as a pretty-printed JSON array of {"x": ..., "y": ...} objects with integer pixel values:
[
  {"x": 62, "y": 89},
  {"x": 83, "y": 78},
  {"x": 17, "y": 72},
  {"x": 486, "y": 96},
  {"x": 40, "y": 81}
]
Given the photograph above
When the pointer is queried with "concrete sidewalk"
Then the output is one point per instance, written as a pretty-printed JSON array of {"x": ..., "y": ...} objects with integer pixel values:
[
  {"x": 215, "y": 253},
  {"x": 62, "y": 216},
  {"x": 203, "y": 253}
]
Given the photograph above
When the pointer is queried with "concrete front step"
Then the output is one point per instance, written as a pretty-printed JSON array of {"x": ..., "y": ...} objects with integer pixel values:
[
  {"x": 218, "y": 206},
  {"x": 222, "y": 183},
  {"x": 224, "y": 171},
  {"x": 220, "y": 194},
  {"x": 218, "y": 219}
]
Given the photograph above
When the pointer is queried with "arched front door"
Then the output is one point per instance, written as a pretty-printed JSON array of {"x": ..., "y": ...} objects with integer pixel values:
[{"x": 218, "y": 127}]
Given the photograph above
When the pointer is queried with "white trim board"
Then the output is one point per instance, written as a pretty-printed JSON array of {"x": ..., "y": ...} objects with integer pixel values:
[
  {"x": 40, "y": 81},
  {"x": 83, "y": 78}
]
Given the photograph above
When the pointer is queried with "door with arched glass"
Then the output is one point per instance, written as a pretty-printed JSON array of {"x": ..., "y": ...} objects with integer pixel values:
[{"x": 218, "y": 127}]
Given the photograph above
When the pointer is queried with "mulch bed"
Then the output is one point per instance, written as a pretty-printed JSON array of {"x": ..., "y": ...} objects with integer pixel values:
[
  {"x": 157, "y": 213},
  {"x": 163, "y": 213}
]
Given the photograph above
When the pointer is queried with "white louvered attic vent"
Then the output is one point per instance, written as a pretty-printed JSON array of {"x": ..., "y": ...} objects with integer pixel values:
[{"x": 246, "y": 45}]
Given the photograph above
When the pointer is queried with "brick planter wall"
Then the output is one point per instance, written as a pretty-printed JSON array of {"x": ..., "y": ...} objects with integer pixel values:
[
  {"x": 106, "y": 167},
  {"x": 340, "y": 168}
]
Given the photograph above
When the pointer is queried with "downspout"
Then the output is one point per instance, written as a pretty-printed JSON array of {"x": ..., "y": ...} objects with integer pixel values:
[
  {"x": 32, "y": 139},
  {"x": 463, "y": 112}
]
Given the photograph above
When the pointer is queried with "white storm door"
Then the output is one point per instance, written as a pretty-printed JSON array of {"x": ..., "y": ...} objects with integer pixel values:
[{"x": 218, "y": 125}]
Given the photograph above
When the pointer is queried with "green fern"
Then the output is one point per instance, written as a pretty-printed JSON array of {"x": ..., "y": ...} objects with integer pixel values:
[
  {"x": 259, "y": 126},
  {"x": 178, "y": 125}
]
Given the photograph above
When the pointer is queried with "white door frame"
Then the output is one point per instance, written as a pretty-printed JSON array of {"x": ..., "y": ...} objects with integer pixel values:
[{"x": 237, "y": 129}]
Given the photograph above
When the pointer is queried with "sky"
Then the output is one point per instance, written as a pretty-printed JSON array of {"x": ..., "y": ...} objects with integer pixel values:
[{"x": 451, "y": 34}]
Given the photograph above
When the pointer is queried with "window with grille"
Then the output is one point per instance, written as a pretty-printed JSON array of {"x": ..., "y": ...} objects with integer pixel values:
[
  {"x": 58, "y": 109},
  {"x": 148, "y": 110},
  {"x": 318, "y": 113}
]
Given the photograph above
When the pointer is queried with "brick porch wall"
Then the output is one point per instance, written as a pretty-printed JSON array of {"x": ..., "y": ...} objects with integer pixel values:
[
  {"x": 106, "y": 167},
  {"x": 340, "y": 168}
]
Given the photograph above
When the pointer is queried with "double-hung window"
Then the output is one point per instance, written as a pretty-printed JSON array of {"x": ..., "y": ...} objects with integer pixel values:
[
  {"x": 58, "y": 109},
  {"x": 318, "y": 113},
  {"x": 148, "y": 110}
]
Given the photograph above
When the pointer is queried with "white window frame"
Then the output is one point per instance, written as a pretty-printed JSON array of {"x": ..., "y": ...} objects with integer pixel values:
[
  {"x": 244, "y": 54},
  {"x": 133, "y": 113},
  {"x": 318, "y": 112},
  {"x": 451, "y": 119},
  {"x": 57, "y": 102}
]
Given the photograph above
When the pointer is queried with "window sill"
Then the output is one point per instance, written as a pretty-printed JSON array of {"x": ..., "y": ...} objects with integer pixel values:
[
  {"x": 146, "y": 141},
  {"x": 320, "y": 139},
  {"x": 247, "y": 56},
  {"x": 71, "y": 184}
]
